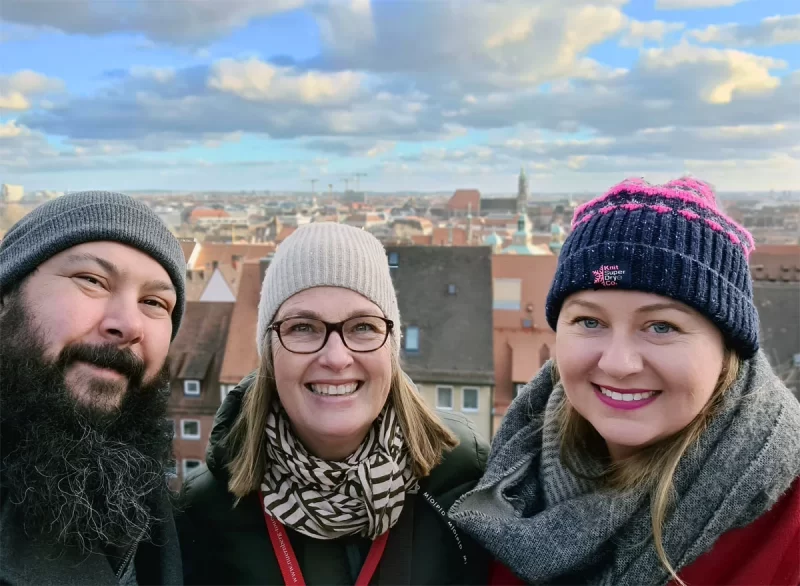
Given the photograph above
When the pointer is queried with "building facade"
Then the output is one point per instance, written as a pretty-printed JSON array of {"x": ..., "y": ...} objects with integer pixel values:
[{"x": 445, "y": 300}]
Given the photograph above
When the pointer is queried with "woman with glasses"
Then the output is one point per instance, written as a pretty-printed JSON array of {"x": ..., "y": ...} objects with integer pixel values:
[{"x": 325, "y": 466}]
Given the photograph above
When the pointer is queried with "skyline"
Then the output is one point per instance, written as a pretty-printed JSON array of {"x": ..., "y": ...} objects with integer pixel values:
[{"x": 417, "y": 95}]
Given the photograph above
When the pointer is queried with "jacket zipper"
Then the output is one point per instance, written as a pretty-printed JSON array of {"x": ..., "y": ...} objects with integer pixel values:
[{"x": 127, "y": 559}]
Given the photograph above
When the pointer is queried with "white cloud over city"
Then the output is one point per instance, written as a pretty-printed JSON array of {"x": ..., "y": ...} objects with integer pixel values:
[{"x": 433, "y": 94}]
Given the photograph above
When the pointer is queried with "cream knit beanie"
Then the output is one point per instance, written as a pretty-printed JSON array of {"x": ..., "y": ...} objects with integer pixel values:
[{"x": 328, "y": 254}]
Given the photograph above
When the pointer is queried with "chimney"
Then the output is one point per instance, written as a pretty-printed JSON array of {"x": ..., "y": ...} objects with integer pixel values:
[{"x": 214, "y": 265}]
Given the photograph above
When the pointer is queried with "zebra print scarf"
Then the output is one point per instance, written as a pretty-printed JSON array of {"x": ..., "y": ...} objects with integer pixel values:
[{"x": 362, "y": 495}]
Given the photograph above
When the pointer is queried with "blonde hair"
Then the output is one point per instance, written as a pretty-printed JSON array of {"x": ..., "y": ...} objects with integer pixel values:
[
  {"x": 427, "y": 438},
  {"x": 652, "y": 467}
]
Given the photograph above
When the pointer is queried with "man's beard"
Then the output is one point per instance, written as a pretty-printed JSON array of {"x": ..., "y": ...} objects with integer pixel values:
[{"x": 81, "y": 475}]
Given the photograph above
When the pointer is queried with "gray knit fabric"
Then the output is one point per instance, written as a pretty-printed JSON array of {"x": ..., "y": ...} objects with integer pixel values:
[
  {"x": 327, "y": 254},
  {"x": 554, "y": 531},
  {"x": 91, "y": 216}
]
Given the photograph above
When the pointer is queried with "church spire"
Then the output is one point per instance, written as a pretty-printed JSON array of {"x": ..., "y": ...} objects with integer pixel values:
[{"x": 522, "y": 192}]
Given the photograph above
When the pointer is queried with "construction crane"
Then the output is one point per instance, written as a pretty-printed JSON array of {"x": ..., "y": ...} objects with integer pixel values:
[
  {"x": 346, "y": 184},
  {"x": 358, "y": 180},
  {"x": 313, "y": 182}
]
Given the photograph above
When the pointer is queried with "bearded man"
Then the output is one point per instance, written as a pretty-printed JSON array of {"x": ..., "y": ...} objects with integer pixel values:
[{"x": 91, "y": 295}]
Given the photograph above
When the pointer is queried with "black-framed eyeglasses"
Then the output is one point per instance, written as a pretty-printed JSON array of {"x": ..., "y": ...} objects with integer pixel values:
[{"x": 307, "y": 335}]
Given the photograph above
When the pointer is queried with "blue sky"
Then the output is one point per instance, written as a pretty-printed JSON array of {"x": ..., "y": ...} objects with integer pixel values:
[{"x": 417, "y": 94}]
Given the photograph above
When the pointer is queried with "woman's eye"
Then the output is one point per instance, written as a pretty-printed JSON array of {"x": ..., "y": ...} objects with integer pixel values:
[
  {"x": 589, "y": 323},
  {"x": 662, "y": 328}
]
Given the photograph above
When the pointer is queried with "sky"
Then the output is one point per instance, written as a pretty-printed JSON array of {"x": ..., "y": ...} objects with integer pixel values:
[{"x": 398, "y": 95}]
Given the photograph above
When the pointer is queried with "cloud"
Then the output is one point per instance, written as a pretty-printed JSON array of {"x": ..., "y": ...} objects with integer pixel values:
[
  {"x": 736, "y": 72},
  {"x": 694, "y": 4},
  {"x": 693, "y": 87},
  {"x": 663, "y": 143},
  {"x": 11, "y": 33},
  {"x": 157, "y": 74},
  {"x": 351, "y": 147},
  {"x": 379, "y": 97},
  {"x": 10, "y": 129},
  {"x": 175, "y": 22},
  {"x": 229, "y": 96},
  {"x": 13, "y": 101},
  {"x": 257, "y": 81},
  {"x": 26, "y": 151},
  {"x": 772, "y": 31},
  {"x": 469, "y": 45},
  {"x": 381, "y": 148},
  {"x": 17, "y": 88},
  {"x": 654, "y": 30}
]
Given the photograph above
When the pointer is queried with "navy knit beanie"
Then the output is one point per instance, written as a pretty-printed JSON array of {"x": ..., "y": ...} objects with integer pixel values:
[
  {"x": 671, "y": 240},
  {"x": 90, "y": 216}
]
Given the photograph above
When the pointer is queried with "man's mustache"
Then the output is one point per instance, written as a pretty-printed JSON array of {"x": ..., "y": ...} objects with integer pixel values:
[{"x": 108, "y": 356}]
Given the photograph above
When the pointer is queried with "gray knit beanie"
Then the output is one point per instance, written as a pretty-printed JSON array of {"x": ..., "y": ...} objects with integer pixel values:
[
  {"x": 327, "y": 254},
  {"x": 90, "y": 216}
]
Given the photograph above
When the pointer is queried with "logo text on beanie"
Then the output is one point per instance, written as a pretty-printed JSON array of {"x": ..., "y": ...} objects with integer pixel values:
[{"x": 609, "y": 275}]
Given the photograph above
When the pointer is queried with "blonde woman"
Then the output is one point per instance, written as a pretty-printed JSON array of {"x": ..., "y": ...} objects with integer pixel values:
[
  {"x": 658, "y": 447},
  {"x": 326, "y": 466}
]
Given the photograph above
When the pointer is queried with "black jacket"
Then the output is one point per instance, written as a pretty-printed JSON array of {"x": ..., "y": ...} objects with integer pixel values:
[
  {"x": 25, "y": 562},
  {"x": 223, "y": 544}
]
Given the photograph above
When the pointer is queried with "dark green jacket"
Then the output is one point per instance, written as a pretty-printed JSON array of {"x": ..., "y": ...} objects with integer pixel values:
[
  {"x": 23, "y": 561},
  {"x": 223, "y": 544}
]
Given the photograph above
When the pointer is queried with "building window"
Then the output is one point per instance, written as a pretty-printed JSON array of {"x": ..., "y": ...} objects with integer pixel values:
[
  {"x": 451, "y": 289},
  {"x": 224, "y": 390},
  {"x": 394, "y": 260},
  {"x": 191, "y": 388},
  {"x": 797, "y": 360},
  {"x": 444, "y": 398},
  {"x": 469, "y": 399},
  {"x": 190, "y": 429},
  {"x": 190, "y": 464},
  {"x": 412, "y": 339},
  {"x": 507, "y": 294},
  {"x": 172, "y": 470},
  {"x": 518, "y": 388}
]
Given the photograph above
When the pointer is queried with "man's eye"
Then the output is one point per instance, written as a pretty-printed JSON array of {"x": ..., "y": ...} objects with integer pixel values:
[
  {"x": 156, "y": 303},
  {"x": 89, "y": 279}
]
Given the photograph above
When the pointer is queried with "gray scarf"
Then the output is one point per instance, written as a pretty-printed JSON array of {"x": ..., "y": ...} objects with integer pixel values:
[
  {"x": 362, "y": 495},
  {"x": 548, "y": 526}
]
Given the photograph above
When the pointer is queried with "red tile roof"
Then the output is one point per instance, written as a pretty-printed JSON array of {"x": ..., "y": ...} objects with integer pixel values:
[
  {"x": 775, "y": 262},
  {"x": 187, "y": 246},
  {"x": 464, "y": 198},
  {"x": 223, "y": 253},
  {"x": 241, "y": 354},
  {"x": 207, "y": 213},
  {"x": 286, "y": 231}
]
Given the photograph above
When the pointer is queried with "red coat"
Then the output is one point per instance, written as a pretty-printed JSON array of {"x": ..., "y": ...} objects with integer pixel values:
[{"x": 766, "y": 552}]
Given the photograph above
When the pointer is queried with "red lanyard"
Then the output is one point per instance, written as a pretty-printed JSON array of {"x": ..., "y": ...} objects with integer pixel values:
[{"x": 290, "y": 569}]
